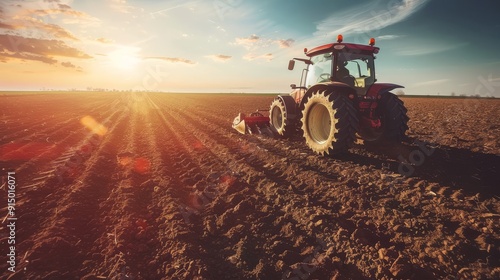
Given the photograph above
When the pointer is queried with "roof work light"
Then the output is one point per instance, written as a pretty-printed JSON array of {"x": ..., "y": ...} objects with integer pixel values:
[{"x": 340, "y": 38}]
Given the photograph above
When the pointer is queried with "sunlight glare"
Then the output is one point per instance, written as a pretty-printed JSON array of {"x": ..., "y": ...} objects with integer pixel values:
[{"x": 124, "y": 58}]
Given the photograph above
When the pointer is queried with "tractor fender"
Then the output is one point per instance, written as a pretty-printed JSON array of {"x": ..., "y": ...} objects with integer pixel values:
[
  {"x": 290, "y": 106},
  {"x": 329, "y": 86},
  {"x": 377, "y": 90}
]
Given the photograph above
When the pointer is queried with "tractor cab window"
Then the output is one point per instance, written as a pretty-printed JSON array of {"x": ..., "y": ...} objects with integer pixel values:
[
  {"x": 320, "y": 70},
  {"x": 356, "y": 69}
]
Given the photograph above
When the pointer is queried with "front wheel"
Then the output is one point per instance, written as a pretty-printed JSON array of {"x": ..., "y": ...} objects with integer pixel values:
[
  {"x": 329, "y": 123},
  {"x": 281, "y": 120}
]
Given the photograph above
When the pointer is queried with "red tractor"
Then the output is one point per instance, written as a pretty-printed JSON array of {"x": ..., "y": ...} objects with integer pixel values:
[{"x": 337, "y": 101}]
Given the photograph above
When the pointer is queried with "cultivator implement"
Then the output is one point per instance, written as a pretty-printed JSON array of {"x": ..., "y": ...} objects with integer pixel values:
[{"x": 255, "y": 123}]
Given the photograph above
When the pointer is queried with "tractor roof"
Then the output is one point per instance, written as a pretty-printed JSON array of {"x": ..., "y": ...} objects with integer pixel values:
[{"x": 341, "y": 46}]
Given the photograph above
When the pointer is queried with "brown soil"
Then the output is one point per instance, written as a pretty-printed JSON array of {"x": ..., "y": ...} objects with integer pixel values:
[{"x": 159, "y": 186}]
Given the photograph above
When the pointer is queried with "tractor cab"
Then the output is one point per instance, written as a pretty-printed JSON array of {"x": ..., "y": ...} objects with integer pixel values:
[{"x": 349, "y": 64}]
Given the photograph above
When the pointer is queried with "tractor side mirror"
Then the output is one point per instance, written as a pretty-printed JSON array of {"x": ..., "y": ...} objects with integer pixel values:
[
  {"x": 291, "y": 64},
  {"x": 293, "y": 86}
]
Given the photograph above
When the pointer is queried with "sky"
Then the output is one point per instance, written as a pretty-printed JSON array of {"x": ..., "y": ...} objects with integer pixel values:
[{"x": 432, "y": 47}]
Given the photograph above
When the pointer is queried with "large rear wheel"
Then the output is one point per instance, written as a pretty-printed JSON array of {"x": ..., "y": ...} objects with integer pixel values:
[
  {"x": 329, "y": 123},
  {"x": 394, "y": 120}
]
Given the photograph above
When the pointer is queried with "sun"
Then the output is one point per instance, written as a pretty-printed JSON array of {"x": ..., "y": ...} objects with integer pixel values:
[{"x": 124, "y": 58}]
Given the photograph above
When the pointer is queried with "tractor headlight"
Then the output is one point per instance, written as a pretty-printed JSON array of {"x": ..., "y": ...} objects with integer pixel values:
[{"x": 339, "y": 47}]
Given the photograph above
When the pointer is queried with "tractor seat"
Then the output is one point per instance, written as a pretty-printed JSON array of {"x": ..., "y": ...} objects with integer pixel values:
[{"x": 348, "y": 80}]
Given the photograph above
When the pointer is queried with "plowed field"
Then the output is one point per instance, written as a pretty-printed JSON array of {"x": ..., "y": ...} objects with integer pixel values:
[{"x": 159, "y": 186}]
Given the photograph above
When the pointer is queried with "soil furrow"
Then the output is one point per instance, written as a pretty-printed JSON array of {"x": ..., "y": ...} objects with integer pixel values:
[
  {"x": 251, "y": 168},
  {"x": 393, "y": 183},
  {"x": 46, "y": 127},
  {"x": 170, "y": 191},
  {"x": 65, "y": 227},
  {"x": 188, "y": 178}
]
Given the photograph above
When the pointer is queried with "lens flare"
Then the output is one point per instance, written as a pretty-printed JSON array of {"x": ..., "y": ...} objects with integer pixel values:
[
  {"x": 124, "y": 161},
  {"x": 91, "y": 124},
  {"x": 197, "y": 145},
  {"x": 142, "y": 165},
  {"x": 227, "y": 180}
]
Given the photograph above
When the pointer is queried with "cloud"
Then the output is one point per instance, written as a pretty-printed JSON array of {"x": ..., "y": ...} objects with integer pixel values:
[
  {"x": 7, "y": 26},
  {"x": 52, "y": 29},
  {"x": 48, "y": 11},
  {"x": 71, "y": 65},
  {"x": 68, "y": 64},
  {"x": 221, "y": 29},
  {"x": 89, "y": 22},
  {"x": 66, "y": 10},
  {"x": 219, "y": 57},
  {"x": 432, "y": 83},
  {"x": 268, "y": 56},
  {"x": 4, "y": 56},
  {"x": 63, "y": 6},
  {"x": 35, "y": 18},
  {"x": 368, "y": 17},
  {"x": 247, "y": 42},
  {"x": 430, "y": 48},
  {"x": 30, "y": 23},
  {"x": 57, "y": 31},
  {"x": 285, "y": 43},
  {"x": 173, "y": 59},
  {"x": 104, "y": 40},
  {"x": 250, "y": 57},
  {"x": 14, "y": 46},
  {"x": 388, "y": 37},
  {"x": 164, "y": 12},
  {"x": 121, "y": 6}
]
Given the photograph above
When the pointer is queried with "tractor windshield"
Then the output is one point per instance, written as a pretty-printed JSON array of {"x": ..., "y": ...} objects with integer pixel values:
[
  {"x": 355, "y": 69},
  {"x": 320, "y": 70}
]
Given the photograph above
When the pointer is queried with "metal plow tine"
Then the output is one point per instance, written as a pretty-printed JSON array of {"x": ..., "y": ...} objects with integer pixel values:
[
  {"x": 253, "y": 129},
  {"x": 267, "y": 131},
  {"x": 257, "y": 130},
  {"x": 262, "y": 129}
]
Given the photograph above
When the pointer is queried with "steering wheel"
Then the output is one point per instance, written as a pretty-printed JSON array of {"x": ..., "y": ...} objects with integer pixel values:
[{"x": 323, "y": 77}]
